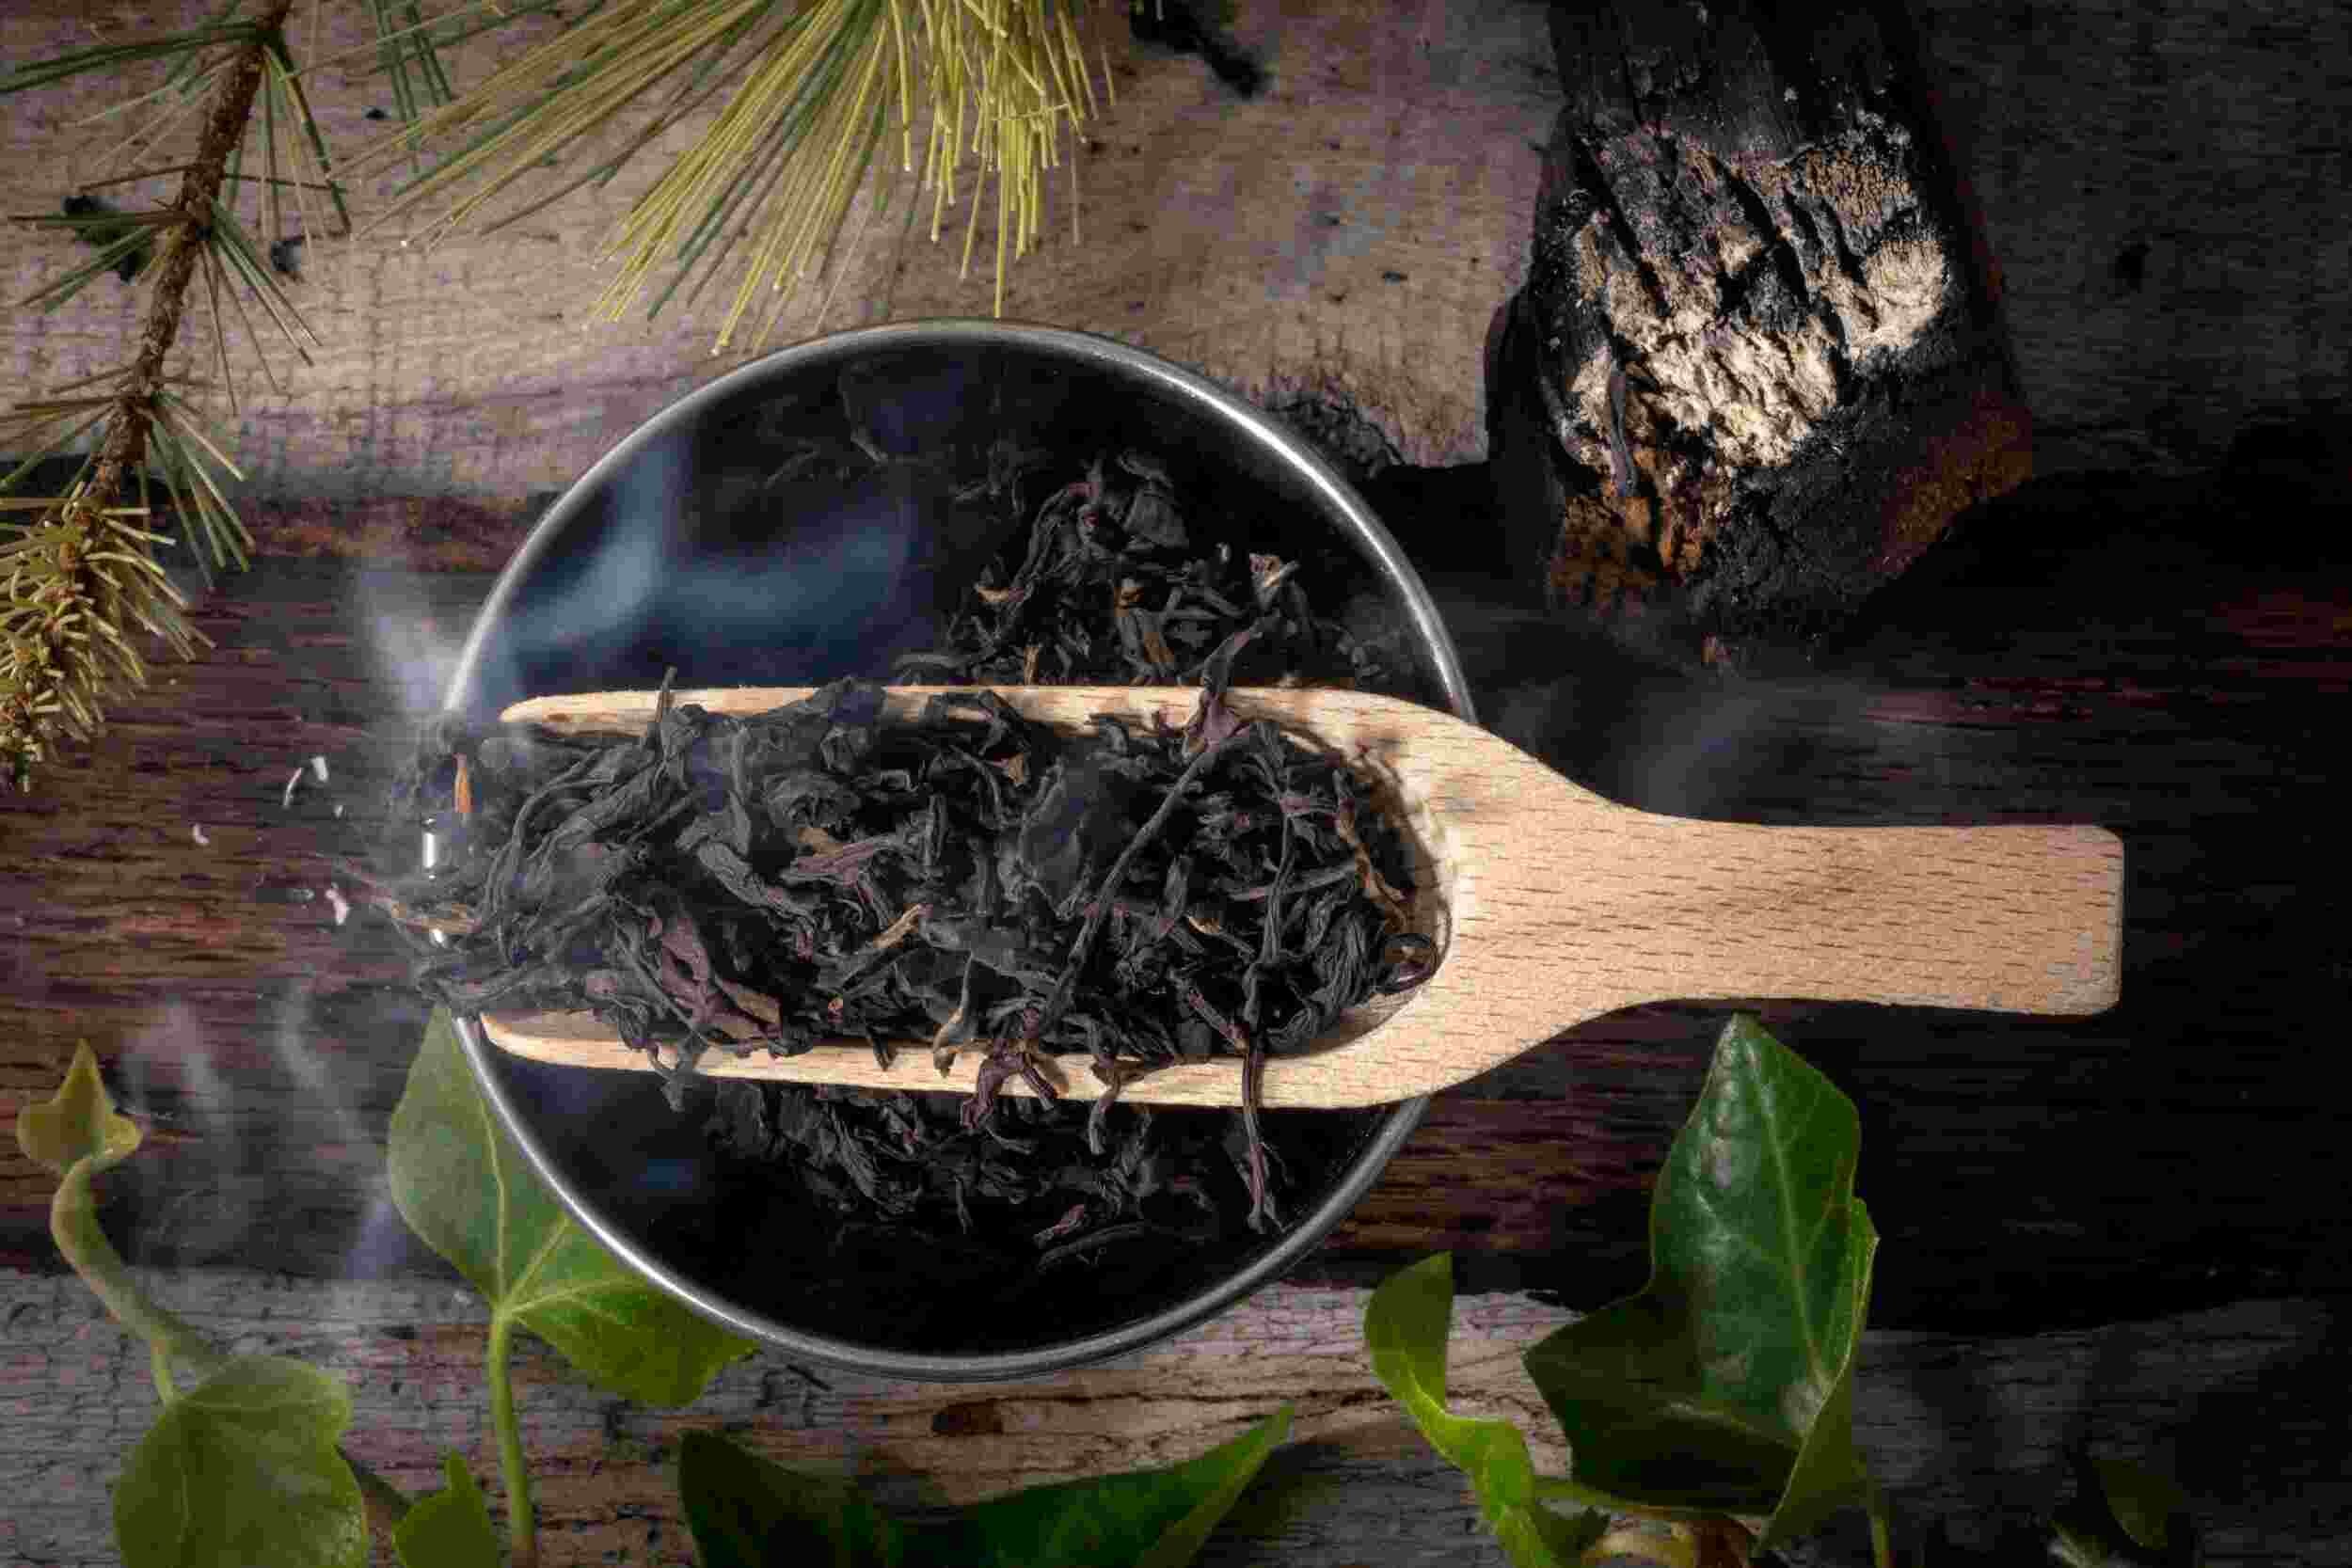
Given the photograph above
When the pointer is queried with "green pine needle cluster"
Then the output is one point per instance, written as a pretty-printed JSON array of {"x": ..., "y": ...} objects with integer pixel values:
[
  {"x": 81, "y": 583},
  {"x": 75, "y": 579},
  {"x": 806, "y": 93}
]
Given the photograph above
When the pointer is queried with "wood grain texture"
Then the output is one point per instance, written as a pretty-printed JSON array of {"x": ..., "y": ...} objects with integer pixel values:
[
  {"x": 2163, "y": 648},
  {"x": 2142, "y": 654},
  {"x": 2016, "y": 919},
  {"x": 2243, "y": 1404},
  {"x": 1344, "y": 237},
  {"x": 2162, "y": 187}
]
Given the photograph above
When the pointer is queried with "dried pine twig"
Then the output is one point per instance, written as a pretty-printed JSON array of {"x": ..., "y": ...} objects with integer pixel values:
[
  {"x": 807, "y": 90},
  {"x": 82, "y": 578}
]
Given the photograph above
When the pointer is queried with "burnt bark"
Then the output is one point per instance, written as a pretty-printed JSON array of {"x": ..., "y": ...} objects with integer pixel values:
[{"x": 1756, "y": 369}]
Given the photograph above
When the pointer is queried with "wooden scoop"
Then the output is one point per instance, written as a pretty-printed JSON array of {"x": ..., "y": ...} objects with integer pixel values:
[{"x": 1550, "y": 906}]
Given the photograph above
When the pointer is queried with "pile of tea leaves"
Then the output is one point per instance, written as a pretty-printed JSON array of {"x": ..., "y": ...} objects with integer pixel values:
[
  {"x": 1129, "y": 898},
  {"x": 1109, "y": 591}
]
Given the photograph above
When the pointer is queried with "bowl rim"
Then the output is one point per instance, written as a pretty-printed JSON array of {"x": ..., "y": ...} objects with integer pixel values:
[{"x": 1250, "y": 425}]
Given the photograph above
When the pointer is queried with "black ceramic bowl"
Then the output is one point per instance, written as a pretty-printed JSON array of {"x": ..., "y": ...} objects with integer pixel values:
[{"x": 692, "y": 547}]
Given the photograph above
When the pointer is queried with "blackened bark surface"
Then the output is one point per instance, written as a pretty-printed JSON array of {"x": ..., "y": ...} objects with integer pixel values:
[{"x": 1754, "y": 370}]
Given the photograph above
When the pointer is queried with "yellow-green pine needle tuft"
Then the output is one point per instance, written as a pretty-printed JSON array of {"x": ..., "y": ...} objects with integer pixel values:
[
  {"x": 810, "y": 89},
  {"x": 80, "y": 582},
  {"x": 76, "y": 586}
]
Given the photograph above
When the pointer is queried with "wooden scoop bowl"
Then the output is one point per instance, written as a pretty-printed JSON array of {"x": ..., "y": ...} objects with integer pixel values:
[{"x": 1550, "y": 906}]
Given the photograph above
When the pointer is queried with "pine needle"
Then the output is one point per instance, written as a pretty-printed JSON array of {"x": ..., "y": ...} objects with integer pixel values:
[
  {"x": 114, "y": 57},
  {"x": 806, "y": 90},
  {"x": 812, "y": 88},
  {"x": 135, "y": 232},
  {"x": 235, "y": 249},
  {"x": 70, "y": 583},
  {"x": 309, "y": 156},
  {"x": 81, "y": 578}
]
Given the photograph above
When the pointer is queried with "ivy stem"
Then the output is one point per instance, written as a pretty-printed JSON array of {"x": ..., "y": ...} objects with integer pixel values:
[
  {"x": 522, "y": 1537},
  {"x": 74, "y": 1226}
]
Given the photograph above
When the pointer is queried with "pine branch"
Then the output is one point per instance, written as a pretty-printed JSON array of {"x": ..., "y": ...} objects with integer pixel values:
[
  {"x": 84, "y": 571},
  {"x": 807, "y": 91}
]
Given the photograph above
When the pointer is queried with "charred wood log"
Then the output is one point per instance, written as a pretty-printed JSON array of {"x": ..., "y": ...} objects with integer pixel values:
[{"x": 1756, "y": 369}]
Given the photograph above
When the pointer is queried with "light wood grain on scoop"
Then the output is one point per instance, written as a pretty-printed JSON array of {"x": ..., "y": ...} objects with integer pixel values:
[{"x": 1550, "y": 906}]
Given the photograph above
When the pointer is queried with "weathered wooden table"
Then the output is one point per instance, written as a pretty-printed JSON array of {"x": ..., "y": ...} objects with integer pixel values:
[{"x": 2122, "y": 1230}]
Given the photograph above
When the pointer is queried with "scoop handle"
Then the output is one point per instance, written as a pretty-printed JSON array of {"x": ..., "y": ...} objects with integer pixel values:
[
  {"x": 2013, "y": 919},
  {"x": 1559, "y": 906}
]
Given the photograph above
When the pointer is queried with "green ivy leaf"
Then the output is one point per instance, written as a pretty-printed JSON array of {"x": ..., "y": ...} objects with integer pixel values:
[
  {"x": 242, "y": 1470},
  {"x": 2124, "y": 1517},
  {"x": 78, "y": 1121},
  {"x": 2143, "y": 1503},
  {"x": 747, "y": 1512},
  {"x": 1139, "y": 1519},
  {"x": 463, "y": 1186},
  {"x": 1405, "y": 1326},
  {"x": 451, "y": 1528},
  {"x": 1726, "y": 1382}
]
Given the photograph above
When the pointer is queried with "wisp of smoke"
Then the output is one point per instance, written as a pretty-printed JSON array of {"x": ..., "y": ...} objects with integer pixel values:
[{"x": 1662, "y": 739}]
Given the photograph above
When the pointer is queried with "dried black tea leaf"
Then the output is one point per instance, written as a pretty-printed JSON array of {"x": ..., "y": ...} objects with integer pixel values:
[
  {"x": 971, "y": 878},
  {"x": 1129, "y": 899},
  {"x": 1108, "y": 591}
]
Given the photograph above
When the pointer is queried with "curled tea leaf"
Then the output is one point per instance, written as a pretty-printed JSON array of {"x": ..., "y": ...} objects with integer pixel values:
[{"x": 78, "y": 1122}]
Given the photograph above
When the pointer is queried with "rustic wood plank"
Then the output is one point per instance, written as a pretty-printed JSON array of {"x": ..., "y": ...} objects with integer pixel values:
[
  {"x": 2168, "y": 277},
  {"x": 2092, "y": 650},
  {"x": 2163, "y": 193},
  {"x": 2156, "y": 665},
  {"x": 1342, "y": 237},
  {"x": 2242, "y": 1402}
]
